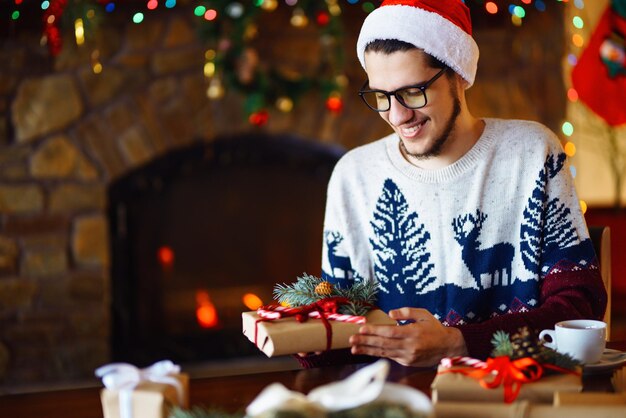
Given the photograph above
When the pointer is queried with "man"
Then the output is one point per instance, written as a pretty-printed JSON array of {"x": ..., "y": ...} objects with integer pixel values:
[{"x": 468, "y": 225}]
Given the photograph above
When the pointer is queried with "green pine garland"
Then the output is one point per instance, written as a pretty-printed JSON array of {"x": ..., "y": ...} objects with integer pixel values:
[
  {"x": 269, "y": 82},
  {"x": 362, "y": 294}
]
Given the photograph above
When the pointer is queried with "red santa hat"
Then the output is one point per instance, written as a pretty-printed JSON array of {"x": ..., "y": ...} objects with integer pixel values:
[{"x": 442, "y": 28}]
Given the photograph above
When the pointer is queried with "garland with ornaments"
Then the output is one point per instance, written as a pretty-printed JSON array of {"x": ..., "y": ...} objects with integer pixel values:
[{"x": 228, "y": 29}]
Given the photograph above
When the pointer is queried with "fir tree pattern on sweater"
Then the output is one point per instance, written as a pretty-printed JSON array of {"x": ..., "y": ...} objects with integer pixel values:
[
  {"x": 548, "y": 236},
  {"x": 400, "y": 244}
]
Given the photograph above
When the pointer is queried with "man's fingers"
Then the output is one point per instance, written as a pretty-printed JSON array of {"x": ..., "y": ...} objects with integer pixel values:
[
  {"x": 415, "y": 314},
  {"x": 389, "y": 331},
  {"x": 378, "y": 340}
]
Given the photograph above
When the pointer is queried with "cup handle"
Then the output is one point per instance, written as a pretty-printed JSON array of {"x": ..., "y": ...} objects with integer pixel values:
[{"x": 551, "y": 333}]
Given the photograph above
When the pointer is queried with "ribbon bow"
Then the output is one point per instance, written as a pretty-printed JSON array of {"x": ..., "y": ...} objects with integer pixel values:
[
  {"x": 125, "y": 377},
  {"x": 324, "y": 309},
  {"x": 502, "y": 371},
  {"x": 510, "y": 374}
]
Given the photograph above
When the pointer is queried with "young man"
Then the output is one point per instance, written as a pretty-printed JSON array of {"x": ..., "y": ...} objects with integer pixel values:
[{"x": 468, "y": 225}]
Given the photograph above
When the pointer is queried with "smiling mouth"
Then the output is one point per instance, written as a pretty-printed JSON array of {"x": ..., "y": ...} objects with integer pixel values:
[{"x": 413, "y": 130}]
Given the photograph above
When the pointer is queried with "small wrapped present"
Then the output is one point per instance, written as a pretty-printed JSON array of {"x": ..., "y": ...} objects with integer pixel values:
[
  {"x": 525, "y": 409},
  {"x": 277, "y": 330},
  {"x": 142, "y": 393},
  {"x": 500, "y": 379}
]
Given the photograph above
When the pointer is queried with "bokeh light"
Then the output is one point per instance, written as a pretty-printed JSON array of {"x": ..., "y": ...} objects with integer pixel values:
[
  {"x": 491, "y": 7},
  {"x": 567, "y": 128}
]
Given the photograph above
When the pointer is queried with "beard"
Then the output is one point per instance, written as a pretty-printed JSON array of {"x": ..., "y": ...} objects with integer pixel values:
[{"x": 441, "y": 140}]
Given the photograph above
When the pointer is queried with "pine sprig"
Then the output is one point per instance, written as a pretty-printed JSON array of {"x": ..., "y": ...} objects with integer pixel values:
[
  {"x": 362, "y": 294},
  {"x": 501, "y": 342},
  {"x": 299, "y": 293}
]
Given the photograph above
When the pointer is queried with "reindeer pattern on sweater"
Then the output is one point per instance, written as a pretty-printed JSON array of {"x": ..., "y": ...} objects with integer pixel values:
[{"x": 467, "y": 242}]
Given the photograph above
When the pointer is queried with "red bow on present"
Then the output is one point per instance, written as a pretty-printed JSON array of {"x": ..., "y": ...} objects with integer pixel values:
[
  {"x": 502, "y": 371},
  {"x": 323, "y": 309}
]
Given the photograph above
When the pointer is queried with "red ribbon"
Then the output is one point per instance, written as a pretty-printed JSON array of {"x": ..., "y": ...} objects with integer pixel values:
[
  {"x": 324, "y": 306},
  {"x": 510, "y": 374}
]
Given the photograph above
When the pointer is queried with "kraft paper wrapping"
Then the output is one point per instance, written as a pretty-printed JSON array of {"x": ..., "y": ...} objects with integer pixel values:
[
  {"x": 456, "y": 387},
  {"x": 149, "y": 399},
  {"x": 288, "y": 336},
  {"x": 589, "y": 398},
  {"x": 525, "y": 409}
]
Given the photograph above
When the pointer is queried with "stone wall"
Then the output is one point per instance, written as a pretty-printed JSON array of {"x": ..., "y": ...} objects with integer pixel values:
[{"x": 66, "y": 133}]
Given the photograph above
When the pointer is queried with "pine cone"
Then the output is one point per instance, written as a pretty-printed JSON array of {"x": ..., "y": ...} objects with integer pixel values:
[
  {"x": 324, "y": 288},
  {"x": 525, "y": 344}
]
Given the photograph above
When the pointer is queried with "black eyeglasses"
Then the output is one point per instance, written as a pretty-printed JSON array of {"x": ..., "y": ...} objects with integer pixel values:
[{"x": 411, "y": 97}]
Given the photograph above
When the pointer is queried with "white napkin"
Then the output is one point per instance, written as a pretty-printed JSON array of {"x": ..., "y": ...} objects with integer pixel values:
[{"x": 364, "y": 386}]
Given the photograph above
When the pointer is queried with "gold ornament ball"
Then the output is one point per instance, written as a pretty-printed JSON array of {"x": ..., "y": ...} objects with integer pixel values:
[
  {"x": 284, "y": 104},
  {"x": 324, "y": 288}
]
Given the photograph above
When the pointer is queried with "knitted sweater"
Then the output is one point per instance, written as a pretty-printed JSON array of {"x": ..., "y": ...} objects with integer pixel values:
[{"x": 494, "y": 241}]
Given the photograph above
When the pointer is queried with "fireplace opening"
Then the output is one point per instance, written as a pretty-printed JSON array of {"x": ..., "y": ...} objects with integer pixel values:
[{"x": 204, "y": 233}]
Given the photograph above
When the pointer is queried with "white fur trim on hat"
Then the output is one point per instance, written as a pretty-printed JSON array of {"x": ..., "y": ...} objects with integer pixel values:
[{"x": 429, "y": 31}]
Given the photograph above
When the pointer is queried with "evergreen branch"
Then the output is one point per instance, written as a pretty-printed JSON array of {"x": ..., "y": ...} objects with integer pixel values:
[
  {"x": 501, "y": 342},
  {"x": 362, "y": 294},
  {"x": 299, "y": 293}
]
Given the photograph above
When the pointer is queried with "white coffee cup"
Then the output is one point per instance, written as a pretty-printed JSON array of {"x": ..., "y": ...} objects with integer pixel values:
[{"x": 583, "y": 339}]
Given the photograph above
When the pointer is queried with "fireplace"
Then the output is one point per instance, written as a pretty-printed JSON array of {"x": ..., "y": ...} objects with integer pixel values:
[{"x": 204, "y": 233}]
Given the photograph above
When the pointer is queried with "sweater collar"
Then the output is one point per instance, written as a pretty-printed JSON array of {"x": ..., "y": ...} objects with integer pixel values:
[{"x": 466, "y": 162}]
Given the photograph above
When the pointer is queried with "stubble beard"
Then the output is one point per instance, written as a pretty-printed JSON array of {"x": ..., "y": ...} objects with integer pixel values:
[{"x": 441, "y": 140}]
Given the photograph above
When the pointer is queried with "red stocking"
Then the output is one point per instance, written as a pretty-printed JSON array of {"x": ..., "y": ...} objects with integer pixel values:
[{"x": 600, "y": 75}]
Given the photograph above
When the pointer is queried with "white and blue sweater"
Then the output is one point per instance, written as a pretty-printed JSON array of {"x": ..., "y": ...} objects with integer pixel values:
[{"x": 469, "y": 242}]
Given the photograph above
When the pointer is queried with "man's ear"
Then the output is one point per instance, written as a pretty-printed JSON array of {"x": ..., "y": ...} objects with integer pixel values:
[{"x": 461, "y": 83}]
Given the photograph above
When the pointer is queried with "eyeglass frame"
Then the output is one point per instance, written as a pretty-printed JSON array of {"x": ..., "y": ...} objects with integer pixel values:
[{"x": 388, "y": 94}]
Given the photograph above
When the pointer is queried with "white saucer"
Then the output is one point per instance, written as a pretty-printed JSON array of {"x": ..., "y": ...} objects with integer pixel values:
[{"x": 610, "y": 360}]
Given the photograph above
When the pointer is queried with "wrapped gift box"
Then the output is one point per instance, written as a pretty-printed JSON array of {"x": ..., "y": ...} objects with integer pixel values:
[
  {"x": 452, "y": 386},
  {"x": 288, "y": 336},
  {"x": 525, "y": 409},
  {"x": 147, "y": 400}
]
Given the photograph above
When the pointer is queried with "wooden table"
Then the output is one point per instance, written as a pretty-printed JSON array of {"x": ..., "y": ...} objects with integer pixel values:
[{"x": 231, "y": 393}]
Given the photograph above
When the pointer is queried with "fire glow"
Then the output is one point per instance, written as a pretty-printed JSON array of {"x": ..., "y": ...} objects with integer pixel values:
[
  {"x": 165, "y": 255},
  {"x": 206, "y": 314},
  {"x": 252, "y": 301}
]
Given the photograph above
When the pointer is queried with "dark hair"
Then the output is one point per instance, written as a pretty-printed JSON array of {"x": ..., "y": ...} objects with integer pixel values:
[{"x": 389, "y": 46}]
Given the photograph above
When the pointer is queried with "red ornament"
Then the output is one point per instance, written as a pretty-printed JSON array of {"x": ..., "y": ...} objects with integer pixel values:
[
  {"x": 334, "y": 104},
  {"x": 259, "y": 118},
  {"x": 51, "y": 20},
  {"x": 323, "y": 18}
]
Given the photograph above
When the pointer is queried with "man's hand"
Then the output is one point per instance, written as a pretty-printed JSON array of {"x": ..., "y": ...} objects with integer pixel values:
[{"x": 421, "y": 343}]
